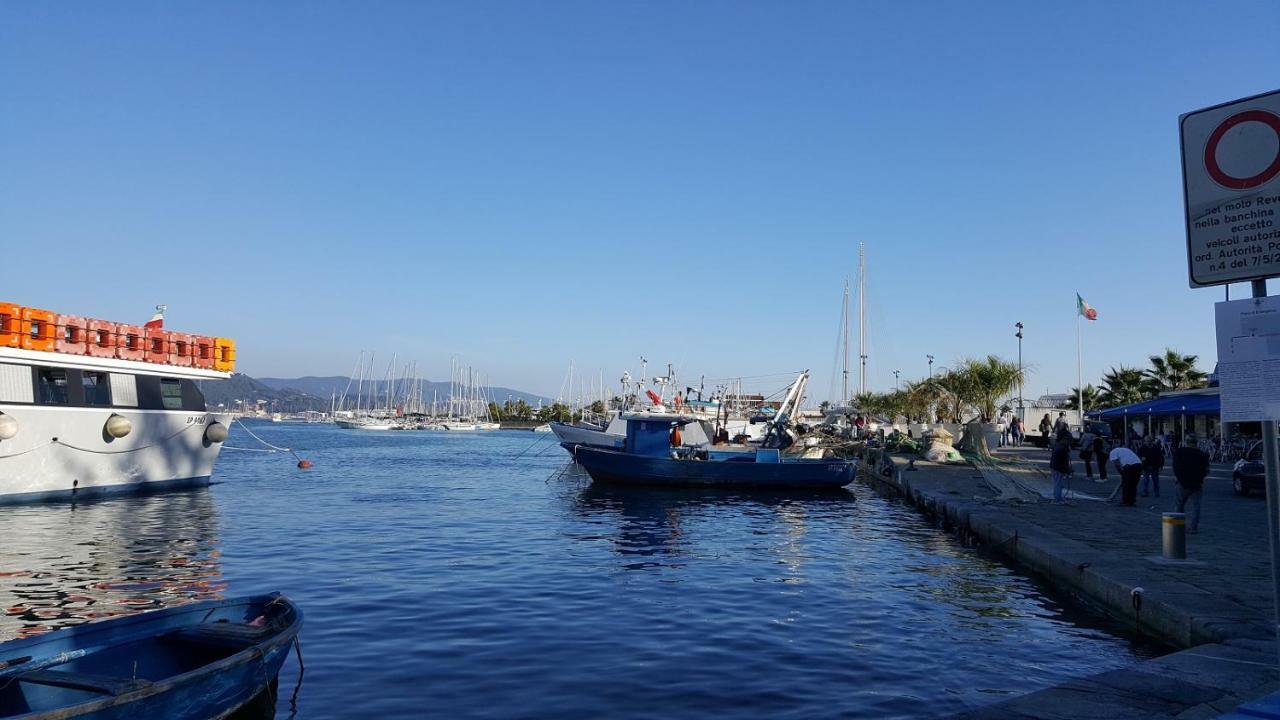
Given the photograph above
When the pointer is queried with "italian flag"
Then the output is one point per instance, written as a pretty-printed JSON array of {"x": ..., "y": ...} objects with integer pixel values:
[
  {"x": 157, "y": 321},
  {"x": 1085, "y": 309}
]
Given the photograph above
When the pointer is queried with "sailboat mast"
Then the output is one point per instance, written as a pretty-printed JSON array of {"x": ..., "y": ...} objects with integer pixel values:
[
  {"x": 844, "y": 313},
  {"x": 862, "y": 317}
]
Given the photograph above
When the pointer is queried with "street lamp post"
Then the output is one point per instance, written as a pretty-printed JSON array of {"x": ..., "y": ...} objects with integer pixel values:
[
  {"x": 895, "y": 379},
  {"x": 1021, "y": 408},
  {"x": 930, "y": 367}
]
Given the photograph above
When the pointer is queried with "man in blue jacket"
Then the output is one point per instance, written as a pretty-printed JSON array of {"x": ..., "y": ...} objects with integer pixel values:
[{"x": 1060, "y": 463}]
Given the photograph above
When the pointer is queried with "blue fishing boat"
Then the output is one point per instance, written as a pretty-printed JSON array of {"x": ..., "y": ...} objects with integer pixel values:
[
  {"x": 653, "y": 454},
  {"x": 204, "y": 660},
  {"x": 612, "y": 466}
]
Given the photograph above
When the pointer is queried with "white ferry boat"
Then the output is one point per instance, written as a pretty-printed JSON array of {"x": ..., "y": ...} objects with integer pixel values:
[{"x": 91, "y": 408}]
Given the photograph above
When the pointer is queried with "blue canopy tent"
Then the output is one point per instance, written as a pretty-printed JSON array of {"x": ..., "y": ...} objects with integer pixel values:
[
  {"x": 1164, "y": 407},
  {"x": 1172, "y": 406}
]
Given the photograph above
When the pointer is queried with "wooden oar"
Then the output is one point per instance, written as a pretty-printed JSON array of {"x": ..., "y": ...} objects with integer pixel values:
[{"x": 19, "y": 665}]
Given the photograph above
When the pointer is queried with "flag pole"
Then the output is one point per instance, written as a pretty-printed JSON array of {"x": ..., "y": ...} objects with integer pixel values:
[{"x": 1079, "y": 370}]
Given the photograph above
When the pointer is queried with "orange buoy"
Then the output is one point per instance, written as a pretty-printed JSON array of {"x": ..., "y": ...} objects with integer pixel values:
[{"x": 304, "y": 464}]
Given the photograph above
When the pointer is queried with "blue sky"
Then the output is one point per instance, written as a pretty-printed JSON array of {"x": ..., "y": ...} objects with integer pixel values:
[{"x": 523, "y": 184}]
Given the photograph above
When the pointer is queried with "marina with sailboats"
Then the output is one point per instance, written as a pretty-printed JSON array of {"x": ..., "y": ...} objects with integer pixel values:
[
  {"x": 398, "y": 402},
  {"x": 674, "y": 453}
]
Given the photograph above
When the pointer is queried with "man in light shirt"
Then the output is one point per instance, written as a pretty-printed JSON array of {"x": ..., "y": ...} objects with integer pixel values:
[{"x": 1130, "y": 467}]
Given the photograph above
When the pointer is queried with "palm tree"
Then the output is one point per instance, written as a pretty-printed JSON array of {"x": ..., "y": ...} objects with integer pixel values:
[
  {"x": 921, "y": 396},
  {"x": 990, "y": 381},
  {"x": 1090, "y": 395},
  {"x": 1174, "y": 371},
  {"x": 868, "y": 402},
  {"x": 1122, "y": 386},
  {"x": 956, "y": 393}
]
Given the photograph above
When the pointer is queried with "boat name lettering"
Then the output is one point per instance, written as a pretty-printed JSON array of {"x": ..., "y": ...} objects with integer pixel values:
[{"x": 196, "y": 419}]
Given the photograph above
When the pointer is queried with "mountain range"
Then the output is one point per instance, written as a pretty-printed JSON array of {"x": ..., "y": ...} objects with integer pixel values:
[{"x": 316, "y": 393}]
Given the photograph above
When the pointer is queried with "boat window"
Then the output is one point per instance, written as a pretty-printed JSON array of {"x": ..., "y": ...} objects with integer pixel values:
[
  {"x": 52, "y": 385},
  {"x": 171, "y": 393},
  {"x": 97, "y": 389}
]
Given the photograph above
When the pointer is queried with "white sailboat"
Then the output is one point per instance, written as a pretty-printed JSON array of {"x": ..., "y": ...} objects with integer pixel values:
[
  {"x": 469, "y": 402},
  {"x": 840, "y": 412}
]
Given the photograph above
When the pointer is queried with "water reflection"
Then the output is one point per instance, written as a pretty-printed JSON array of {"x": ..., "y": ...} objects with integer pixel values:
[
  {"x": 63, "y": 565},
  {"x": 650, "y": 523}
]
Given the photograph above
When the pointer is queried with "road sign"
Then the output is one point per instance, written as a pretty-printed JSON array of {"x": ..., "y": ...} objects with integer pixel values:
[{"x": 1231, "y": 190}]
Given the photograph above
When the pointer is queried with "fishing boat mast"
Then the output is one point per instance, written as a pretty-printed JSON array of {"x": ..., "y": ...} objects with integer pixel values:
[{"x": 844, "y": 314}]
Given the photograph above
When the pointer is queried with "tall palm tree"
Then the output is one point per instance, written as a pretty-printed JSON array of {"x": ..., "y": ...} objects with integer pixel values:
[
  {"x": 1174, "y": 371},
  {"x": 1122, "y": 386},
  {"x": 990, "y": 381},
  {"x": 1089, "y": 394}
]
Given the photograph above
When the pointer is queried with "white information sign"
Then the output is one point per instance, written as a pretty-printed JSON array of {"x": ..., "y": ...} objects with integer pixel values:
[
  {"x": 1249, "y": 358},
  {"x": 1231, "y": 190}
]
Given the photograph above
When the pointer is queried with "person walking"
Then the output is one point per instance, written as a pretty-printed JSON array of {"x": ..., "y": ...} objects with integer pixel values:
[
  {"x": 1060, "y": 464},
  {"x": 1190, "y": 467},
  {"x": 1060, "y": 425},
  {"x": 1152, "y": 464},
  {"x": 1004, "y": 428},
  {"x": 1086, "y": 452},
  {"x": 1016, "y": 431},
  {"x": 1100, "y": 452},
  {"x": 1046, "y": 426},
  {"x": 1129, "y": 465}
]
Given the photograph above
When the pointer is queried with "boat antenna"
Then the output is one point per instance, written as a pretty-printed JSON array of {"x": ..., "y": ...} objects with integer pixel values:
[{"x": 862, "y": 316}]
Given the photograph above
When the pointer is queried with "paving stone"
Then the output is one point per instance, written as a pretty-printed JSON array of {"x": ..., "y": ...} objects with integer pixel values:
[{"x": 1102, "y": 551}]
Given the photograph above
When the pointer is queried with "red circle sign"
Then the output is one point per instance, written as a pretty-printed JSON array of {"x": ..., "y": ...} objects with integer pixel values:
[{"x": 1211, "y": 151}]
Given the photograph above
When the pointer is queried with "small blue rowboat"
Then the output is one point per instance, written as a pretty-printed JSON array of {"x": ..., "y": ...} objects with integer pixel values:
[
  {"x": 648, "y": 459},
  {"x": 204, "y": 660}
]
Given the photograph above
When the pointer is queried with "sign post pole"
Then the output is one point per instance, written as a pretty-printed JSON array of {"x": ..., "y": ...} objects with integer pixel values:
[{"x": 1271, "y": 461}]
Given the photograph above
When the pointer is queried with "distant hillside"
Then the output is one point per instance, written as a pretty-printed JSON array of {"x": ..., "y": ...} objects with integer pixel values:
[
  {"x": 250, "y": 392},
  {"x": 327, "y": 387}
]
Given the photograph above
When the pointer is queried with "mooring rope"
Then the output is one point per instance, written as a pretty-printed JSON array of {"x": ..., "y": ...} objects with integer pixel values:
[
  {"x": 532, "y": 444},
  {"x": 274, "y": 448}
]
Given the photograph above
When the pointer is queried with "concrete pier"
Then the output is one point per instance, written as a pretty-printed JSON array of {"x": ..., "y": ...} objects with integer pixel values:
[{"x": 1214, "y": 607}]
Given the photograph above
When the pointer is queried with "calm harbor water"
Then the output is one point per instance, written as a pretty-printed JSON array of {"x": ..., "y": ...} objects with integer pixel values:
[{"x": 448, "y": 575}]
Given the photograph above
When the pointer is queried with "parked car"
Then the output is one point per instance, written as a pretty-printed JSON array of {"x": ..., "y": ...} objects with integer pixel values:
[{"x": 1249, "y": 475}]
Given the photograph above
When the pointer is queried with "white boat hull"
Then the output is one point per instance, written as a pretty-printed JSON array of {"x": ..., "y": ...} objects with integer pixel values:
[
  {"x": 364, "y": 424},
  {"x": 573, "y": 435},
  {"x": 64, "y": 453}
]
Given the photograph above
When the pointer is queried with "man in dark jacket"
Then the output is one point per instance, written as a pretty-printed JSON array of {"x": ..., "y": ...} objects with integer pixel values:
[
  {"x": 1100, "y": 454},
  {"x": 1152, "y": 463},
  {"x": 1190, "y": 467}
]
